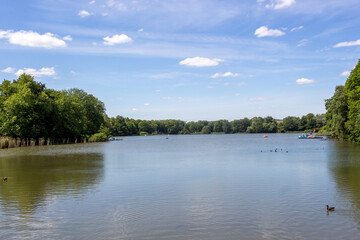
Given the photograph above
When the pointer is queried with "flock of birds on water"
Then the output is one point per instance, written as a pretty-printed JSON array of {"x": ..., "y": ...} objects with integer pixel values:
[{"x": 275, "y": 150}]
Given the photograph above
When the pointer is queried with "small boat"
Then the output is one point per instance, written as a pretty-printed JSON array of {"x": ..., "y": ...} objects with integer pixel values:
[
  {"x": 310, "y": 136},
  {"x": 265, "y": 136}
]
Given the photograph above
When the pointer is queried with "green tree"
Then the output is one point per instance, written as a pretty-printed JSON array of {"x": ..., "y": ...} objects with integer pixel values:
[
  {"x": 94, "y": 110},
  {"x": 352, "y": 94},
  {"x": 239, "y": 126},
  {"x": 206, "y": 130},
  {"x": 256, "y": 125},
  {"x": 174, "y": 126},
  {"x": 336, "y": 114},
  {"x": 68, "y": 116},
  {"x": 25, "y": 107},
  {"x": 270, "y": 125},
  {"x": 291, "y": 123}
]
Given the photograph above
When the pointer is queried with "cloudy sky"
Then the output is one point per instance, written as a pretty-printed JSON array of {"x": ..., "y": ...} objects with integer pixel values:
[{"x": 188, "y": 59}]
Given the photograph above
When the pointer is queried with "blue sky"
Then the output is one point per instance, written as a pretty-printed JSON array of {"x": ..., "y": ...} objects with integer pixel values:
[{"x": 189, "y": 59}]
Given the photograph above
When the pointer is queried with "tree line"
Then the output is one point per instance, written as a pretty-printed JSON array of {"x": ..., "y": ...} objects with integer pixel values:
[
  {"x": 31, "y": 114},
  {"x": 121, "y": 126},
  {"x": 29, "y": 110},
  {"x": 343, "y": 109}
]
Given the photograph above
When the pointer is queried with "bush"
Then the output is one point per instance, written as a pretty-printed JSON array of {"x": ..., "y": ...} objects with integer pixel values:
[{"x": 98, "y": 137}]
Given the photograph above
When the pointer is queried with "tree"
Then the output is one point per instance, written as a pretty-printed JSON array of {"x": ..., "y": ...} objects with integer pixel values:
[
  {"x": 25, "y": 107},
  {"x": 146, "y": 126},
  {"x": 291, "y": 123},
  {"x": 68, "y": 116},
  {"x": 206, "y": 130},
  {"x": 217, "y": 126},
  {"x": 270, "y": 125},
  {"x": 352, "y": 95},
  {"x": 239, "y": 126},
  {"x": 320, "y": 120},
  {"x": 336, "y": 115},
  {"x": 94, "y": 110},
  {"x": 118, "y": 126},
  {"x": 174, "y": 126},
  {"x": 256, "y": 125},
  {"x": 29, "y": 110}
]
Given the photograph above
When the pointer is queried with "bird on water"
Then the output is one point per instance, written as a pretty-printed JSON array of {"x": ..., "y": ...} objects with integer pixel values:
[{"x": 330, "y": 208}]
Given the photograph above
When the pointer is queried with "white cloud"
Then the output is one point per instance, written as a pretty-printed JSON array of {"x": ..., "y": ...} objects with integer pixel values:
[
  {"x": 347, "y": 44},
  {"x": 117, "y": 5},
  {"x": 227, "y": 74},
  {"x": 278, "y": 4},
  {"x": 8, "y": 70},
  {"x": 157, "y": 90},
  {"x": 134, "y": 109},
  {"x": 297, "y": 28},
  {"x": 302, "y": 43},
  {"x": 302, "y": 81},
  {"x": 67, "y": 38},
  {"x": 345, "y": 73},
  {"x": 201, "y": 62},
  {"x": 32, "y": 39},
  {"x": 117, "y": 39},
  {"x": 83, "y": 13},
  {"x": 92, "y": 2},
  {"x": 3, "y": 34},
  {"x": 265, "y": 32},
  {"x": 146, "y": 104},
  {"x": 141, "y": 30},
  {"x": 37, "y": 73}
]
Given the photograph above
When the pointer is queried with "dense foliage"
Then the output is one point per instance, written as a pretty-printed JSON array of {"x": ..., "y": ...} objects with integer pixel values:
[
  {"x": 29, "y": 110},
  {"x": 343, "y": 109},
  {"x": 120, "y": 126}
]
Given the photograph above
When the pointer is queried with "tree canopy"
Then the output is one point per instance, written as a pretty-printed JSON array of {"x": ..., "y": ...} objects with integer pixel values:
[
  {"x": 29, "y": 110},
  {"x": 343, "y": 109},
  {"x": 121, "y": 126}
]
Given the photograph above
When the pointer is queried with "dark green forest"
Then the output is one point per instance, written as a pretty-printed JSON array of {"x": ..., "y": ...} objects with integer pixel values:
[
  {"x": 120, "y": 126},
  {"x": 29, "y": 110},
  {"x": 343, "y": 109}
]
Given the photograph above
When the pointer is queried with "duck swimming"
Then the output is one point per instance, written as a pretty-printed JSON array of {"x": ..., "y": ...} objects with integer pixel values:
[{"x": 329, "y": 208}]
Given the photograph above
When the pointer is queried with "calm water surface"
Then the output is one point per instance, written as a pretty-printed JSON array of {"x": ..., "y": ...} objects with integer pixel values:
[{"x": 184, "y": 187}]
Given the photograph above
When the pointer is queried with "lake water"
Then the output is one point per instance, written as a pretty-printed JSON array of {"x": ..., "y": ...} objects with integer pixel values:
[{"x": 184, "y": 187}]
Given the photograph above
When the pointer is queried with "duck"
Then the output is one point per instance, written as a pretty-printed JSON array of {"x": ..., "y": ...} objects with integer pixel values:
[
  {"x": 330, "y": 208},
  {"x": 4, "y": 179}
]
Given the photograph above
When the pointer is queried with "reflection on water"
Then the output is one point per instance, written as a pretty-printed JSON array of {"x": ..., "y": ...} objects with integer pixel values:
[
  {"x": 182, "y": 187},
  {"x": 345, "y": 166},
  {"x": 37, "y": 176}
]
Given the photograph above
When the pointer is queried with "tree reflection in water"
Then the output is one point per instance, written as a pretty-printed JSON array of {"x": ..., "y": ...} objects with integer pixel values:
[
  {"x": 345, "y": 167},
  {"x": 36, "y": 179}
]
